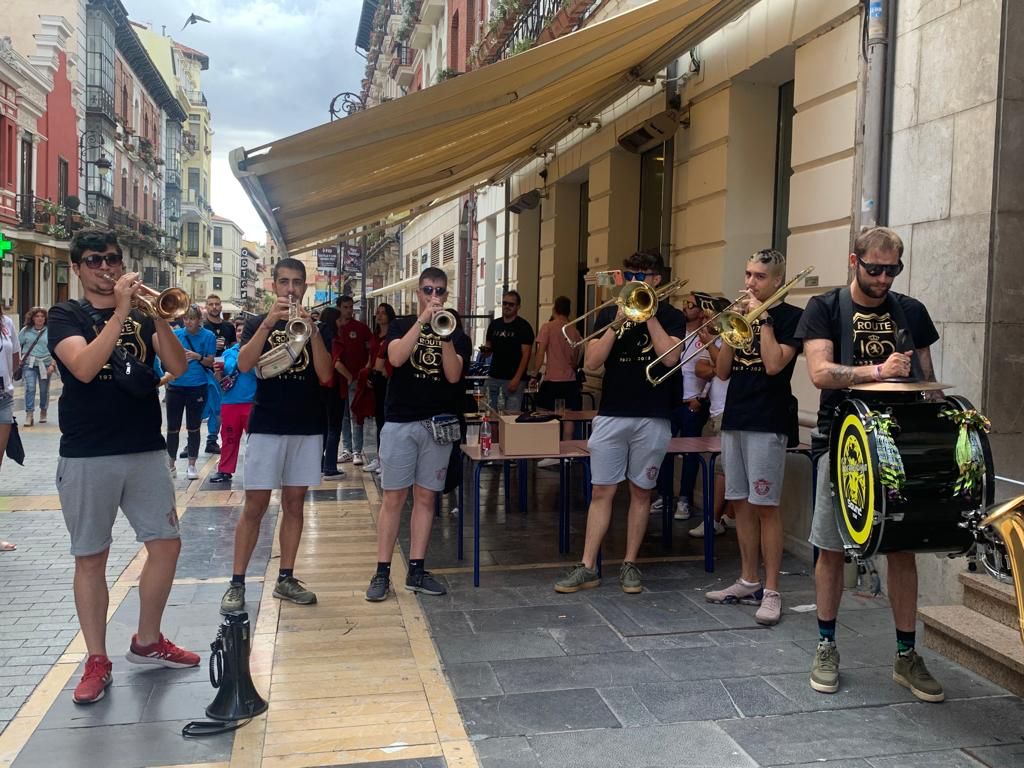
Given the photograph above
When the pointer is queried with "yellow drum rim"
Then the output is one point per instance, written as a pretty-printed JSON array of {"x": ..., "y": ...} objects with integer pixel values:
[{"x": 854, "y": 438}]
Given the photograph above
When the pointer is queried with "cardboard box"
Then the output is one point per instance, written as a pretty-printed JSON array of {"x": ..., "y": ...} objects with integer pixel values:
[{"x": 528, "y": 439}]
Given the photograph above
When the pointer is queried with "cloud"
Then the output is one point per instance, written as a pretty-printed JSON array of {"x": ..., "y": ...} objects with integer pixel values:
[{"x": 275, "y": 65}]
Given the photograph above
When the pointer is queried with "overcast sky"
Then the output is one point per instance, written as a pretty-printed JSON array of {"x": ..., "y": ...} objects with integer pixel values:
[{"x": 275, "y": 65}]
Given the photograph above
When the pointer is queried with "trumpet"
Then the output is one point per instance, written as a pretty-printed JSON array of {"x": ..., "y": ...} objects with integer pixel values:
[
  {"x": 443, "y": 323},
  {"x": 638, "y": 302},
  {"x": 276, "y": 361},
  {"x": 169, "y": 304},
  {"x": 729, "y": 325}
]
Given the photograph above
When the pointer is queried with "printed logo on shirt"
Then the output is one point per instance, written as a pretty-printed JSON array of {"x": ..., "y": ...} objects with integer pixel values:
[
  {"x": 353, "y": 335},
  {"x": 633, "y": 345},
  {"x": 426, "y": 356},
  {"x": 751, "y": 361},
  {"x": 131, "y": 339},
  {"x": 874, "y": 337}
]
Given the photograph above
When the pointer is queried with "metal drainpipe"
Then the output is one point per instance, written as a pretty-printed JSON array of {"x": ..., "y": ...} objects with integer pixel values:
[
  {"x": 508, "y": 238},
  {"x": 879, "y": 22},
  {"x": 668, "y": 174}
]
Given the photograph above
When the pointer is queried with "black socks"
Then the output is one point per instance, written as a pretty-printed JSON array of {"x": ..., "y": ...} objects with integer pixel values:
[
  {"x": 285, "y": 573},
  {"x": 905, "y": 642},
  {"x": 238, "y": 578},
  {"x": 415, "y": 566},
  {"x": 384, "y": 569},
  {"x": 827, "y": 630}
]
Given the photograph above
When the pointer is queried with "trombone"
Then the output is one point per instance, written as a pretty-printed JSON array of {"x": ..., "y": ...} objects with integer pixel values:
[
  {"x": 638, "y": 302},
  {"x": 733, "y": 328}
]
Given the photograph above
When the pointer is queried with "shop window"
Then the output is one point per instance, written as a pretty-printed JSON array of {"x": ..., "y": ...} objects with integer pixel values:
[
  {"x": 652, "y": 177},
  {"x": 218, "y": 284}
]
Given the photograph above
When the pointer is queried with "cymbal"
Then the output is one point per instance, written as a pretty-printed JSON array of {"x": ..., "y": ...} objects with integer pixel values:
[{"x": 901, "y": 385}]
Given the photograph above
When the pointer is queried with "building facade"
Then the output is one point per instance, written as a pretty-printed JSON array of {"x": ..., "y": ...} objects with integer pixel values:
[{"x": 39, "y": 205}]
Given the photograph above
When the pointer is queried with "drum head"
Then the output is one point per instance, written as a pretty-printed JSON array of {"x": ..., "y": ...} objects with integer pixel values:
[{"x": 858, "y": 502}]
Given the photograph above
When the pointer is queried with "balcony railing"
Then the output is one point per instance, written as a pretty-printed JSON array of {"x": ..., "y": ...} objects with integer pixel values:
[
  {"x": 48, "y": 218},
  {"x": 99, "y": 101},
  {"x": 196, "y": 97}
]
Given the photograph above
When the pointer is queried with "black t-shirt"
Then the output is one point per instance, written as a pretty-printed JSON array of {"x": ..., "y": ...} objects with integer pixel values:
[
  {"x": 418, "y": 389},
  {"x": 626, "y": 391},
  {"x": 874, "y": 336},
  {"x": 757, "y": 402},
  {"x": 507, "y": 340},
  {"x": 99, "y": 418},
  {"x": 222, "y": 330},
  {"x": 289, "y": 404}
]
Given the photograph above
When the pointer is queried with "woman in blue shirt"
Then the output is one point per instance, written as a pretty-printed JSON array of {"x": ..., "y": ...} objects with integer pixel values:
[
  {"x": 187, "y": 393},
  {"x": 38, "y": 365}
]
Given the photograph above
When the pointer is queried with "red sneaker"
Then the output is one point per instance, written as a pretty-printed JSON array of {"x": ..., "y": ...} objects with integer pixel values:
[
  {"x": 162, "y": 653},
  {"x": 95, "y": 680}
]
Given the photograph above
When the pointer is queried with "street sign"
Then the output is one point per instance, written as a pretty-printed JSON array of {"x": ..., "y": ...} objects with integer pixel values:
[
  {"x": 5, "y": 246},
  {"x": 327, "y": 259}
]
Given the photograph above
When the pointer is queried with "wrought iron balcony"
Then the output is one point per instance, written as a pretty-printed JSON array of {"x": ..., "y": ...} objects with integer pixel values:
[{"x": 99, "y": 101}]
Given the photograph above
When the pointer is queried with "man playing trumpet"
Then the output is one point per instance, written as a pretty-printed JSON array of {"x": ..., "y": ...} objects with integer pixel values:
[
  {"x": 633, "y": 426},
  {"x": 423, "y": 390},
  {"x": 285, "y": 433}
]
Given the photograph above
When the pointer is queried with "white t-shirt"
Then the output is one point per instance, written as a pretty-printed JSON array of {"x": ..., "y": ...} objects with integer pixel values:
[
  {"x": 9, "y": 344},
  {"x": 719, "y": 388},
  {"x": 693, "y": 385}
]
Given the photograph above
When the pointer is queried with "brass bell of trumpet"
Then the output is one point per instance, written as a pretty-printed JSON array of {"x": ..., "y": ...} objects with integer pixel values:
[
  {"x": 169, "y": 304},
  {"x": 443, "y": 323},
  {"x": 298, "y": 328}
]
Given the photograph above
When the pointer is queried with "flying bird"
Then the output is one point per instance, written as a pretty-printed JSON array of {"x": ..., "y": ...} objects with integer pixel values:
[{"x": 194, "y": 19}]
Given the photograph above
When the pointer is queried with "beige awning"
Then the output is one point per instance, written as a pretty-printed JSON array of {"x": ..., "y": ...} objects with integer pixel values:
[
  {"x": 408, "y": 282},
  {"x": 474, "y": 129}
]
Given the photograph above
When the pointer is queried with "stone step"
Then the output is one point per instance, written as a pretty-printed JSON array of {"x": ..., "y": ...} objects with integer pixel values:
[
  {"x": 991, "y": 598},
  {"x": 977, "y": 642}
]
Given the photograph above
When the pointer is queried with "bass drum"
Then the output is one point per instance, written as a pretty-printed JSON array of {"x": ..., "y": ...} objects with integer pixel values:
[{"x": 927, "y": 518}]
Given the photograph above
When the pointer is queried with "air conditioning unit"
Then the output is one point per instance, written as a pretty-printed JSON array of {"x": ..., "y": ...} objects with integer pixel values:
[{"x": 651, "y": 133}]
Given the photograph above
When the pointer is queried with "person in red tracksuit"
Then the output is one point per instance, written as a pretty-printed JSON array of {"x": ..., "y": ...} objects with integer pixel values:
[{"x": 235, "y": 405}]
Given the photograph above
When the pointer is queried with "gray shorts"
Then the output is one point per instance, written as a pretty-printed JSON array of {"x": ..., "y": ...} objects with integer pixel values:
[
  {"x": 6, "y": 408},
  {"x": 755, "y": 464},
  {"x": 92, "y": 488},
  {"x": 282, "y": 461},
  {"x": 824, "y": 529},
  {"x": 626, "y": 446},
  {"x": 409, "y": 456}
]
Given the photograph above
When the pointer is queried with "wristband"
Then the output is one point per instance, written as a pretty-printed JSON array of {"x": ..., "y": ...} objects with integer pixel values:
[{"x": 877, "y": 373}]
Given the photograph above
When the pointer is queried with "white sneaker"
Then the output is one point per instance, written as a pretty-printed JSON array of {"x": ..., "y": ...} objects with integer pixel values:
[
  {"x": 344, "y": 457},
  {"x": 192, "y": 473},
  {"x": 548, "y": 463},
  {"x": 698, "y": 532},
  {"x": 373, "y": 466},
  {"x": 358, "y": 459},
  {"x": 657, "y": 506},
  {"x": 173, "y": 470},
  {"x": 729, "y": 521},
  {"x": 379, "y": 470},
  {"x": 682, "y": 510}
]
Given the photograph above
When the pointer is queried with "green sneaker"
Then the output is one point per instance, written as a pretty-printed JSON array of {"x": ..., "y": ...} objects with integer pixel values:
[
  {"x": 629, "y": 578},
  {"x": 910, "y": 671},
  {"x": 825, "y": 668},
  {"x": 291, "y": 589},
  {"x": 234, "y": 599},
  {"x": 576, "y": 578}
]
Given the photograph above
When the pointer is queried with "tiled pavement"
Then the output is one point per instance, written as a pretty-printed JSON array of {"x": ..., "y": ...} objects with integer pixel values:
[{"x": 598, "y": 678}]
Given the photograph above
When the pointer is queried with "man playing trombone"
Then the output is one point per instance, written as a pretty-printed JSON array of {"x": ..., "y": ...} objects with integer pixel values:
[
  {"x": 755, "y": 427},
  {"x": 632, "y": 429}
]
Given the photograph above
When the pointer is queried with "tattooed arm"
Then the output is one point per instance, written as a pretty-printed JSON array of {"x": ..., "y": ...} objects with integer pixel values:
[{"x": 828, "y": 374}]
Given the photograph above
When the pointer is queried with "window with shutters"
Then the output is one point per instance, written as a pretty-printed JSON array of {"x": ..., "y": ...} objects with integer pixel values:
[
  {"x": 435, "y": 252},
  {"x": 448, "y": 253},
  {"x": 149, "y": 276}
]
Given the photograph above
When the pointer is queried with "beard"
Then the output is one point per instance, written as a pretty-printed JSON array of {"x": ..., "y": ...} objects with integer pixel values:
[{"x": 871, "y": 289}]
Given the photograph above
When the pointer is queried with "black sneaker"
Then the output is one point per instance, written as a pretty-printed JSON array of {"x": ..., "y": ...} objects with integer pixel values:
[
  {"x": 220, "y": 477},
  {"x": 183, "y": 454},
  {"x": 422, "y": 581},
  {"x": 379, "y": 587},
  {"x": 212, "y": 447}
]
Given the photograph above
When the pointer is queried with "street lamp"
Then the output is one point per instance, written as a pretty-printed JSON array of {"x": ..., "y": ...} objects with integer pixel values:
[
  {"x": 93, "y": 140},
  {"x": 350, "y": 102}
]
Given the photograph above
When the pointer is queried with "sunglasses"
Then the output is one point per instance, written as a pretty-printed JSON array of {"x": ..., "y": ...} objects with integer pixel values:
[
  {"x": 94, "y": 260},
  {"x": 641, "y": 276},
  {"x": 890, "y": 270},
  {"x": 431, "y": 290}
]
